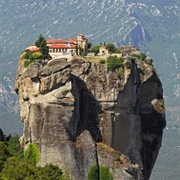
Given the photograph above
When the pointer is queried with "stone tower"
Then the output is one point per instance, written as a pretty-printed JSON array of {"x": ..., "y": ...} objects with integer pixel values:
[{"x": 82, "y": 42}]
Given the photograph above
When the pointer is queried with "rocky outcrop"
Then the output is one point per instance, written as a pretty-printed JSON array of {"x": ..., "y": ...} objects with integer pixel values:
[{"x": 81, "y": 115}]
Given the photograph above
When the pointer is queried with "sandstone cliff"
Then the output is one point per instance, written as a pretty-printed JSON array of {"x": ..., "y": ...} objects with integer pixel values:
[{"x": 80, "y": 114}]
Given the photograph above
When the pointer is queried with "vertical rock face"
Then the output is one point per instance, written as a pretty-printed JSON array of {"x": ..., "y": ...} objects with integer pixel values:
[{"x": 81, "y": 115}]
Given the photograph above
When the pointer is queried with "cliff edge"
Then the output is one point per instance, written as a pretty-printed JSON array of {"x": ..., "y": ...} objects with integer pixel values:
[{"x": 81, "y": 114}]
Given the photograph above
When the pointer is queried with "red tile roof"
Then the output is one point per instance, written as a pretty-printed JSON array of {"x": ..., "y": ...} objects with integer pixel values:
[
  {"x": 31, "y": 48},
  {"x": 62, "y": 46},
  {"x": 56, "y": 43}
]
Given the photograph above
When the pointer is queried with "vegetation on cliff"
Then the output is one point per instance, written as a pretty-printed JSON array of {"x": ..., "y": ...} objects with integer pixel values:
[
  {"x": 31, "y": 154},
  {"x": 99, "y": 173},
  {"x": 41, "y": 54},
  {"x": 114, "y": 63},
  {"x": 95, "y": 49}
]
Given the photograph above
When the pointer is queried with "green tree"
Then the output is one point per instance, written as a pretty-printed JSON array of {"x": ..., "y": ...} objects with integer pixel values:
[
  {"x": 121, "y": 71},
  {"x": 14, "y": 147},
  {"x": 135, "y": 55},
  {"x": 50, "y": 172},
  {"x": 110, "y": 47},
  {"x": 28, "y": 55},
  {"x": 89, "y": 45},
  {"x": 117, "y": 51},
  {"x": 15, "y": 169},
  {"x": 37, "y": 55},
  {"x": 82, "y": 52},
  {"x": 102, "y": 61},
  {"x": 4, "y": 154},
  {"x": 93, "y": 173},
  {"x": 77, "y": 48},
  {"x": 31, "y": 154},
  {"x": 95, "y": 49},
  {"x": 1, "y": 135},
  {"x": 113, "y": 63},
  {"x": 105, "y": 174},
  {"x": 42, "y": 45},
  {"x": 99, "y": 173},
  {"x": 142, "y": 56}
]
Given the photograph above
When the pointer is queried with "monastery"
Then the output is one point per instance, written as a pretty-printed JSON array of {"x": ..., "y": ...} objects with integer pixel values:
[{"x": 61, "y": 47}]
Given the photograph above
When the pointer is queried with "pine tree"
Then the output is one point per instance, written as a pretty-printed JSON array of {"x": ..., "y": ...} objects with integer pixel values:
[
  {"x": 77, "y": 49},
  {"x": 42, "y": 45}
]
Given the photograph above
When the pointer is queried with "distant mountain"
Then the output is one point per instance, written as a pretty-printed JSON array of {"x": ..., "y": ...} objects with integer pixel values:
[{"x": 152, "y": 26}]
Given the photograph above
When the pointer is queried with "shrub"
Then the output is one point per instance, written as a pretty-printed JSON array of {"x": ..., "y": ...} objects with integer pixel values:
[
  {"x": 141, "y": 70},
  {"x": 102, "y": 61},
  {"x": 89, "y": 45},
  {"x": 135, "y": 55},
  {"x": 82, "y": 52},
  {"x": 117, "y": 51},
  {"x": 28, "y": 55},
  {"x": 4, "y": 154},
  {"x": 18, "y": 170},
  {"x": 113, "y": 63},
  {"x": 95, "y": 49},
  {"x": 31, "y": 57},
  {"x": 65, "y": 175},
  {"x": 142, "y": 56},
  {"x": 31, "y": 154},
  {"x": 99, "y": 173},
  {"x": 50, "y": 172},
  {"x": 37, "y": 55},
  {"x": 28, "y": 62},
  {"x": 127, "y": 65},
  {"x": 15, "y": 169},
  {"x": 14, "y": 147},
  {"x": 110, "y": 47},
  {"x": 121, "y": 71},
  {"x": 105, "y": 174},
  {"x": 93, "y": 173}
]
